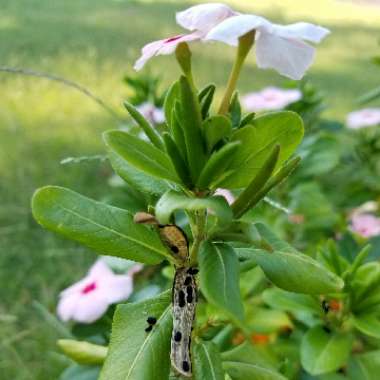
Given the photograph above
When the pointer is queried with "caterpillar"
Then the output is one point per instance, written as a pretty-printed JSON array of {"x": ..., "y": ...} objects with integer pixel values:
[{"x": 184, "y": 293}]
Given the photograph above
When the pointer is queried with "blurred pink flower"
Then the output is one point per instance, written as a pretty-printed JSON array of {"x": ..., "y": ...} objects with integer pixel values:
[
  {"x": 366, "y": 225},
  {"x": 279, "y": 47},
  {"x": 152, "y": 113},
  {"x": 270, "y": 98},
  {"x": 366, "y": 117},
  {"x": 87, "y": 300},
  {"x": 226, "y": 194},
  {"x": 199, "y": 19}
]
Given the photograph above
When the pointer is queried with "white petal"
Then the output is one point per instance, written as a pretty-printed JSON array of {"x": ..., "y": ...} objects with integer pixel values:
[
  {"x": 226, "y": 194},
  {"x": 67, "y": 305},
  {"x": 99, "y": 270},
  {"x": 302, "y": 30},
  {"x": 116, "y": 289},
  {"x": 230, "y": 30},
  {"x": 289, "y": 57},
  {"x": 366, "y": 117},
  {"x": 90, "y": 307},
  {"x": 203, "y": 17},
  {"x": 163, "y": 47}
]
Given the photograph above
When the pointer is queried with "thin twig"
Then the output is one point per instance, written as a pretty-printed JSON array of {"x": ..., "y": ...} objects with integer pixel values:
[{"x": 64, "y": 81}]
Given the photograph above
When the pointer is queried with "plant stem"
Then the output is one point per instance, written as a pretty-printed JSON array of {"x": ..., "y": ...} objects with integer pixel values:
[
  {"x": 245, "y": 44},
  {"x": 199, "y": 234}
]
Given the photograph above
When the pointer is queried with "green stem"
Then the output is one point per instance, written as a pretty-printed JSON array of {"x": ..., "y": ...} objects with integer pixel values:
[
  {"x": 198, "y": 229},
  {"x": 245, "y": 44}
]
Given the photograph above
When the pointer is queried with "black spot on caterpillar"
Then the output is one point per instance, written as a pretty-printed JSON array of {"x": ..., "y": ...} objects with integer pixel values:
[
  {"x": 149, "y": 328},
  {"x": 192, "y": 271},
  {"x": 151, "y": 320},
  {"x": 184, "y": 293}
]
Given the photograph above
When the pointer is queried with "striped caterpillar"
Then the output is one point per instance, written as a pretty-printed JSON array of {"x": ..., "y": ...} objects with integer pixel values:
[{"x": 184, "y": 293}]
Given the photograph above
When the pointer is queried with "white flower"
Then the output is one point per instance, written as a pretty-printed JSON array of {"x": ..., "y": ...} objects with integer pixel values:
[
  {"x": 270, "y": 98},
  {"x": 199, "y": 19},
  {"x": 226, "y": 194},
  {"x": 366, "y": 117},
  {"x": 87, "y": 300},
  {"x": 153, "y": 114},
  {"x": 280, "y": 47}
]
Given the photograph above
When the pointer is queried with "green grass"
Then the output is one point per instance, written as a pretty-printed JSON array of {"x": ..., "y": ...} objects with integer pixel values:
[{"x": 95, "y": 43}]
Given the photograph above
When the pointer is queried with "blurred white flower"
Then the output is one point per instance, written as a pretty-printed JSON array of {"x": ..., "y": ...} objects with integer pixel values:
[
  {"x": 87, "y": 300},
  {"x": 366, "y": 117},
  {"x": 199, "y": 19},
  {"x": 226, "y": 194},
  {"x": 270, "y": 98},
  {"x": 152, "y": 113},
  {"x": 280, "y": 47},
  {"x": 366, "y": 225}
]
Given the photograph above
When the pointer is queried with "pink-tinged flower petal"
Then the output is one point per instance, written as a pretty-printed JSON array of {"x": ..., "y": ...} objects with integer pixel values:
[
  {"x": 289, "y": 57},
  {"x": 90, "y": 308},
  {"x": 135, "y": 269},
  {"x": 118, "y": 288},
  {"x": 230, "y": 30},
  {"x": 301, "y": 31},
  {"x": 67, "y": 305},
  {"x": 151, "y": 113},
  {"x": 366, "y": 225},
  {"x": 204, "y": 17},
  {"x": 270, "y": 98},
  {"x": 226, "y": 194},
  {"x": 366, "y": 117},
  {"x": 163, "y": 47},
  {"x": 100, "y": 269}
]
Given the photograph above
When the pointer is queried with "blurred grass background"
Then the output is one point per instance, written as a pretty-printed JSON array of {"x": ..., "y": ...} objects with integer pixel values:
[{"x": 95, "y": 43}]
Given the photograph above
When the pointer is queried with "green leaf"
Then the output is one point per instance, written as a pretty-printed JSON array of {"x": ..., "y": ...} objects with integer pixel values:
[
  {"x": 283, "y": 128},
  {"x": 136, "y": 178},
  {"x": 245, "y": 371},
  {"x": 294, "y": 272},
  {"x": 368, "y": 324},
  {"x": 83, "y": 352},
  {"x": 79, "y": 372},
  {"x": 247, "y": 199},
  {"x": 323, "y": 352},
  {"x": 267, "y": 321},
  {"x": 177, "y": 131},
  {"x": 106, "y": 229},
  {"x": 207, "y": 362},
  {"x": 172, "y": 201},
  {"x": 141, "y": 155},
  {"x": 215, "y": 129},
  {"x": 291, "y": 302},
  {"x": 170, "y": 99},
  {"x": 219, "y": 278},
  {"x": 205, "y": 99},
  {"x": 133, "y": 353},
  {"x": 150, "y": 132},
  {"x": 247, "y": 119},
  {"x": 191, "y": 125},
  {"x": 178, "y": 162},
  {"x": 235, "y": 110},
  {"x": 216, "y": 166},
  {"x": 364, "y": 366}
]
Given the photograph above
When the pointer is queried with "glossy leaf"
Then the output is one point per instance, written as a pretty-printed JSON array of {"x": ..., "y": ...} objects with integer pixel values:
[
  {"x": 149, "y": 131},
  {"x": 205, "y": 99},
  {"x": 295, "y": 272},
  {"x": 207, "y": 362},
  {"x": 323, "y": 352},
  {"x": 219, "y": 278},
  {"x": 171, "y": 97},
  {"x": 133, "y": 353},
  {"x": 245, "y": 371},
  {"x": 364, "y": 366},
  {"x": 283, "y": 128},
  {"x": 79, "y": 372},
  {"x": 215, "y": 129},
  {"x": 368, "y": 324},
  {"x": 141, "y": 155},
  {"x": 172, "y": 201},
  {"x": 137, "y": 178},
  {"x": 106, "y": 229},
  {"x": 235, "y": 110}
]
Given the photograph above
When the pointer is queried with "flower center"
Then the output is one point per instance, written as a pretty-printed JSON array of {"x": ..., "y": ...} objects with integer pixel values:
[
  {"x": 172, "y": 39},
  {"x": 89, "y": 288}
]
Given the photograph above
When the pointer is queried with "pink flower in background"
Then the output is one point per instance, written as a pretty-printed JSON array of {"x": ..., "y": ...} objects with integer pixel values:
[
  {"x": 366, "y": 225},
  {"x": 153, "y": 114},
  {"x": 87, "y": 300},
  {"x": 279, "y": 47},
  {"x": 366, "y": 117},
  {"x": 270, "y": 98},
  {"x": 226, "y": 194},
  {"x": 199, "y": 19}
]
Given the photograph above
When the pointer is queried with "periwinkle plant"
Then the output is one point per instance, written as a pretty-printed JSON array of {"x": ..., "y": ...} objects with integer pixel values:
[{"x": 184, "y": 223}]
